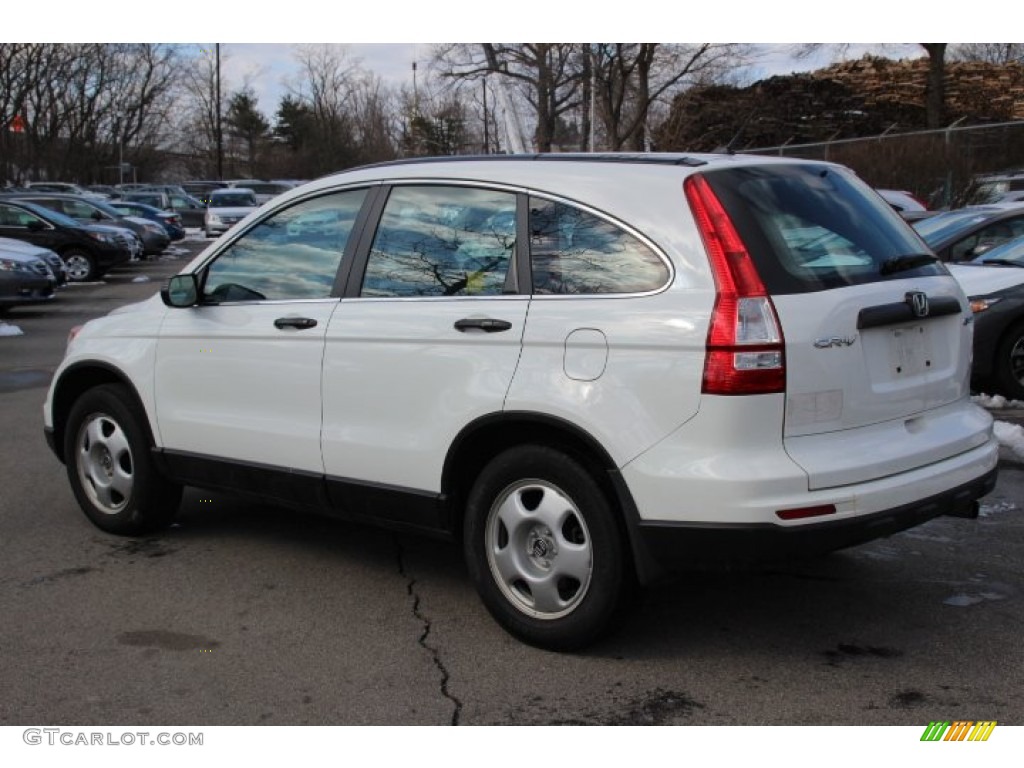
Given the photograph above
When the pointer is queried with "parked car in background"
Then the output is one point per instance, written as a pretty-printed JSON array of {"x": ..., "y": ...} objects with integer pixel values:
[
  {"x": 227, "y": 208},
  {"x": 88, "y": 251},
  {"x": 588, "y": 370},
  {"x": 265, "y": 191},
  {"x": 966, "y": 233},
  {"x": 201, "y": 189},
  {"x": 996, "y": 188},
  {"x": 906, "y": 204},
  {"x": 104, "y": 190},
  {"x": 191, "y": 211},
  {"x": 50, "y": 258},
  {"x": 153, "y": 236},
  {"x": 171, "y": 222},
  {"x": 996, "y": 291},
  {"x": 24, "y": 279},
  {"x": 61, "y": 187}
]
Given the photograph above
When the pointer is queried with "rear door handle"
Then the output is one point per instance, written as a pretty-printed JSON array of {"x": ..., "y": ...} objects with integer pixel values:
[
  {"x": 300, "y": 323},
  {"x": 486, "y": 324}
]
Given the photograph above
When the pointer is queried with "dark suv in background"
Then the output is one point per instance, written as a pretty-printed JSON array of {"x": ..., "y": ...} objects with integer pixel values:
[
  {"x": 153, "y": 236},
  {"x": 88, "y": 250}
]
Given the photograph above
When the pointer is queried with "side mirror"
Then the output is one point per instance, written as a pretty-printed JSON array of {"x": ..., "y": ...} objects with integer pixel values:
[
  {"x": 97, "y": 216},
  {"x": 181, "y": 291},
  {"x": 35, "y": 225}
]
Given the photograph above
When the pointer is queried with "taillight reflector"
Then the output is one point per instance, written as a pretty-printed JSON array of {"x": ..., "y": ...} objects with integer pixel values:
[
  {"x": 801, "y": 513},
  {"x": 745, "y": 349}
]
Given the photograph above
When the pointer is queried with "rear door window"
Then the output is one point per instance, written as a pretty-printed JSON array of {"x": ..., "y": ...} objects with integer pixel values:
[
  {"x": 442, "y": 241},
  {"x": 817, "y": 227}
]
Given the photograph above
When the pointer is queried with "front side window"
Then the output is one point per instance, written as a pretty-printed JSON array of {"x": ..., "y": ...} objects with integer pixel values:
[
  {"x": 442, "y": 241},
  {"x": 573, "y": 251},
  {"x": 294, "y": 254}
]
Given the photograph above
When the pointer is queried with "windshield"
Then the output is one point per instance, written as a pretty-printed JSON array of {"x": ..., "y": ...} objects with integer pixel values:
[
  {"x": 939, "y": 228},
  {"x": 813, "y": 227},
  {"x": 1012, "y": 251},
  {"x": 232, "y": 200}
]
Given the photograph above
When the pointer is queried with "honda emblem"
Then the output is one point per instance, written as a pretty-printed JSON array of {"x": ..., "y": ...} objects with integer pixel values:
[{"x": 918, "y": 301}]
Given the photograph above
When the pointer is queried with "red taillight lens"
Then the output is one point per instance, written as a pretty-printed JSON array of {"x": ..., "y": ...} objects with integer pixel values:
[
  {"x": 805, "y": 512},
  {"x": 745, "y": 350}
]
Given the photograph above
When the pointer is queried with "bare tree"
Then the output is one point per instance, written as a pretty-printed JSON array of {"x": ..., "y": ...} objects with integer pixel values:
[
  {"x": 990, "y": 53},
  {"x": 80, "y": 107},
  {"x": 630, "y": 78},
  {"x": 547, "y": 73}
]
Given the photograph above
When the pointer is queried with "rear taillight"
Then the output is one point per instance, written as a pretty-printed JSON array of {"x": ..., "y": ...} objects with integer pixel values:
[{"x": 745, "y": 348}]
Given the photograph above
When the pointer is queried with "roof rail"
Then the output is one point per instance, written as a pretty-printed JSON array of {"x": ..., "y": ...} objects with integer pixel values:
[{"x": 653, "y": 158}]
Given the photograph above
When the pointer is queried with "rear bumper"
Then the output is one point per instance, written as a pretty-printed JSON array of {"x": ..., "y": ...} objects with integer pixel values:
[{"x": 664, "y": 548}]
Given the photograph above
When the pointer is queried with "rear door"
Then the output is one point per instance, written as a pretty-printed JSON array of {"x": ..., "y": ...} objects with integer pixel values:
[
  {"x": 877, "y": 333},
  {"x": 426, "y": 340}
]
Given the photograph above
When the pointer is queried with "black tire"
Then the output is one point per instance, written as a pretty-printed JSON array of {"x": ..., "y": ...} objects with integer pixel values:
[
  {"x": 1008, "y": 367},
  {"x": 80, "y": 264},
  {"x": 567, "y": 542},
  {"x": 108, "y": 460}
]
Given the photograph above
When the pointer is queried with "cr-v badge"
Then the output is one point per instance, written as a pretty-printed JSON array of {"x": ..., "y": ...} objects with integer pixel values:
[{"x": 834, "y": 341}]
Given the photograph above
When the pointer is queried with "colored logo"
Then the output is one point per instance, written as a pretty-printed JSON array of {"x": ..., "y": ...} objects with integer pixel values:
[{"x": 960, "y": 730}]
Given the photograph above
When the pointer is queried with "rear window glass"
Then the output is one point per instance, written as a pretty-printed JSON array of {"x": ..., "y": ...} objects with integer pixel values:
[{"x": 816, "y": 227}]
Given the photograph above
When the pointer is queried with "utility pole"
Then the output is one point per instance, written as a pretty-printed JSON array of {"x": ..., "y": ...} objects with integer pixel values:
[
  {"x": 220, "y": 134},
  {"x": 487, "y": 135}
]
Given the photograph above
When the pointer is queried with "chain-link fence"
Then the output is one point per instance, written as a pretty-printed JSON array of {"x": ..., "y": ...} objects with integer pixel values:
[{"x": 938, "y": 166}]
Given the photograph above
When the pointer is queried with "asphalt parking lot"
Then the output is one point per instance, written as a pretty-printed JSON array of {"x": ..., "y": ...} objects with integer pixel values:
[{"x": 254, "y": 615}]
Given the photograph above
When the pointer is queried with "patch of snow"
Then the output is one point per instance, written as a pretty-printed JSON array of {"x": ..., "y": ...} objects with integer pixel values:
[
  {"x": 996, "y": 402},
  {"x": 141, "y": 279},
  {"x": 1010, "y": 436},
  {"x": 962, "y": 601},
  {"x": 994, "y": 509},
  {"x": 6, "y": 329}
]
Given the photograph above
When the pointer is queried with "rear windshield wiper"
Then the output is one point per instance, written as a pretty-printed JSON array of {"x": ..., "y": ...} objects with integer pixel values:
[{"x": 904, "y": 263}]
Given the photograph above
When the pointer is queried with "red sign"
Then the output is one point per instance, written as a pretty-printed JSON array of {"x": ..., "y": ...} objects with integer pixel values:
[{"x": 17, "y": 124}]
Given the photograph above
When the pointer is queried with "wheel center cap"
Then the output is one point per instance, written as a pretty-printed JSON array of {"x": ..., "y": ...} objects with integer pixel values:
[
  {"x": 107, "y": 462},
  {"x": 541, "y": 547}
]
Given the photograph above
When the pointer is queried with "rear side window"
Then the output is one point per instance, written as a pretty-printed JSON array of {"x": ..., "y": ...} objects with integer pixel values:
[
  {"x": 574, "y": 252},
  {"x": 811, "y": 228},
  {"x": 442, "y": 241}
]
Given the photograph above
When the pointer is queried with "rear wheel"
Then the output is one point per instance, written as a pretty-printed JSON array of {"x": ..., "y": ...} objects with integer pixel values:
[
  {"x": 107, "y": 454},
  {"x": 544, "y": 549},
  {"x": 80, "y": 265},
  {"x": 1008, "y": 369}
]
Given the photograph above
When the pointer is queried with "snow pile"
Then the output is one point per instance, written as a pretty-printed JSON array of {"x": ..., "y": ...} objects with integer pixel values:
[
  {"x": 1010, "y": 436},
  {"x": 6, "y": 329},
  {"x": 141, "y": 279},
  {"x": 996, "y": 402}
]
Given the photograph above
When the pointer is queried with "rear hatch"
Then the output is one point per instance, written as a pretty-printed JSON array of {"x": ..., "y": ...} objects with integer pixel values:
[{"x": 877, "y": 333}]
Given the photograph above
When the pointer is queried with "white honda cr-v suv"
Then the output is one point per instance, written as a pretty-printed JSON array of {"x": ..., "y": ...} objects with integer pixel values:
[{"x": 591, "y": 370}]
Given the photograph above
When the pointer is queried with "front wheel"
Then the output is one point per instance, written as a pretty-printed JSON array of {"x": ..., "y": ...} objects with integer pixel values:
[
  {"x": 107, "y": 454},
  {"x": 80, "y": 265},
  {"x": 544, "y": 549},
  {"x": 1008, "y": 369}
]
